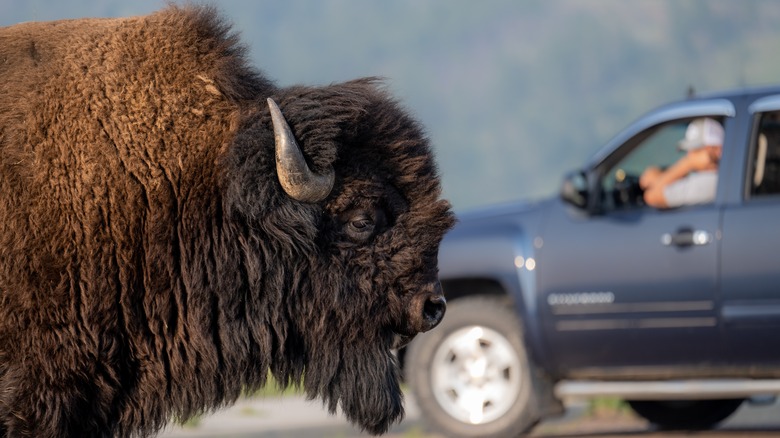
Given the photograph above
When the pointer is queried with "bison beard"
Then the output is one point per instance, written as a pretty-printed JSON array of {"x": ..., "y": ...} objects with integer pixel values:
[{"x": 164, "y": 243}]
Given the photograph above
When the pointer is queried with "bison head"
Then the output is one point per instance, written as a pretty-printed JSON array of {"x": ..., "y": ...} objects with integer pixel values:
[{"x": 345, "y": 247}]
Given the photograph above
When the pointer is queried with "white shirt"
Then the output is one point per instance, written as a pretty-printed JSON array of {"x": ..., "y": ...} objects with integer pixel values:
[{"x": 695, "y": 188}]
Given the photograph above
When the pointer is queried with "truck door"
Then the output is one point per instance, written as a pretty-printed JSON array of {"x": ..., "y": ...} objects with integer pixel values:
[
  {"x": 632, "y": 287},
  {"x": 751, "y": 247}
]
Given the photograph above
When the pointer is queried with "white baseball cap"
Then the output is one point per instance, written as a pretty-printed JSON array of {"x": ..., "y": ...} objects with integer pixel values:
[{"x": 702, "y": 132}]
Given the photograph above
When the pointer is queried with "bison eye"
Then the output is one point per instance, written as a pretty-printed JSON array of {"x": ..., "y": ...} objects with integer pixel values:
[{"x": 361, "y": 225}]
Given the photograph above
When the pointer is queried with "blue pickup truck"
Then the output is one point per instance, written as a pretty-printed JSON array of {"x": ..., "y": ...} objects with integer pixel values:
[{"x": 593, "y": 293}]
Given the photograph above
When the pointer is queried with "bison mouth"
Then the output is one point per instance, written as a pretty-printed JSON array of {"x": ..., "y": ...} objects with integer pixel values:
[
  {"x": 429, "y": 313},
  {"x": 400, "y": 340}
]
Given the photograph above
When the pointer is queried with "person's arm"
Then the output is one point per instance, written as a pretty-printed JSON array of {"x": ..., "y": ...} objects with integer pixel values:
[{"x": 655, "y": 181}]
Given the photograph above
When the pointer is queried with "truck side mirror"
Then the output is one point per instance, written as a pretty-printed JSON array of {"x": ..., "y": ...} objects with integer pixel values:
[{"x": 574, "y": 190}]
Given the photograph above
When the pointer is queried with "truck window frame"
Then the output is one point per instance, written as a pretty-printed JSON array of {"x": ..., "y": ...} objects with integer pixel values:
[{"x": 759, "y": 110}]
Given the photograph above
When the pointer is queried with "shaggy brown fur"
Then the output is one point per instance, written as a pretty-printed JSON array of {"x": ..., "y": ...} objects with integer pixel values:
[{"x": 150, "y": 264}]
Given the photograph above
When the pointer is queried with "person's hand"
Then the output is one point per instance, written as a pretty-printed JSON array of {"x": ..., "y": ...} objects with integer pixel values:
[{"x": 649, "y": 176}]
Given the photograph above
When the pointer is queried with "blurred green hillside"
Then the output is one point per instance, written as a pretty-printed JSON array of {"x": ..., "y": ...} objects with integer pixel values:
[{"x": 513, "y": 93}]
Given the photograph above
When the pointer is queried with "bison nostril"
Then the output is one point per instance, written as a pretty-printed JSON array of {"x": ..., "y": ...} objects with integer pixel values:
[{"x": 433, "y": 312}]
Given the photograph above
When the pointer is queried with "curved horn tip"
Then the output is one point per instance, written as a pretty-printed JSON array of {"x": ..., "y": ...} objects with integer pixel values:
[
  {"x": 272, "y": 104},
  {"x": 295, "y": 177}
]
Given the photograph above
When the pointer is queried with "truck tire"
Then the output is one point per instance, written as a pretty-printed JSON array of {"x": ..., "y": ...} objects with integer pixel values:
[
  {"x": 471, "y": 376},
  {"x": 685, "y": 414}
]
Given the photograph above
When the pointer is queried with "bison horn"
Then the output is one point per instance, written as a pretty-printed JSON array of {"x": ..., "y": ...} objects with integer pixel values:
[{"x": 297, "y": 180}]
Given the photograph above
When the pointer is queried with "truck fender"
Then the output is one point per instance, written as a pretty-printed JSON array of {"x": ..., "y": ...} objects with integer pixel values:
[{"x": 505, "y": 254}]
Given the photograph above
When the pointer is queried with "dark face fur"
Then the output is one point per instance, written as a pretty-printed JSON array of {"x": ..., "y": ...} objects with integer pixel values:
[
  {"x": 378, "y": 266},
  {"x": 362, "y": 276},
  {"x": 386, "y": 248}
]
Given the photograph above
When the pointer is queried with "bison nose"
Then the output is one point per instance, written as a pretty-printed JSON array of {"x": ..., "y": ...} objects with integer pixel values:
[{"x": 433, "y": 311}]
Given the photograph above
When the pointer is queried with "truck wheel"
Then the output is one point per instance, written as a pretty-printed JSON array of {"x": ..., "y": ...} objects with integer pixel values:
[
  {"x": 685, "y": 414},
  {"x": 471, "y": 376}
]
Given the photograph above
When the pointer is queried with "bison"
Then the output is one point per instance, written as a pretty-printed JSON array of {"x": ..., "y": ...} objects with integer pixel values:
[{"x": 174, "y": 227}]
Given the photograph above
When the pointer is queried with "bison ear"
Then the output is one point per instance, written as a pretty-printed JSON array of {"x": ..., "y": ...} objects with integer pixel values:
[{"x": 297, "y": 180}]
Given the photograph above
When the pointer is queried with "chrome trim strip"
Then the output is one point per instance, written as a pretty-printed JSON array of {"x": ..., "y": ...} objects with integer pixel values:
[
  {"x": 669, "y": 390},
  {"x": 629, "y": 324},
  {"x": 747, "y": 312},
  {"x": 650, "y": 307}
]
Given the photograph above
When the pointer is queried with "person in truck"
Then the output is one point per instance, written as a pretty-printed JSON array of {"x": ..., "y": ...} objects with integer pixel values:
[{"x": 693, "y": 178}]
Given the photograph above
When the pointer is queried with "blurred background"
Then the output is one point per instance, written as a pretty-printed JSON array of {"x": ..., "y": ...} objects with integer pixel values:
[{"x": 512, "y": 93}]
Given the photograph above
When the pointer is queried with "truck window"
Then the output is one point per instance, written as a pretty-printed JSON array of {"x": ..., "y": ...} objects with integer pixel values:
[
  {"x": 620, "y": 184},
  {"x": 766, "y": 156}
]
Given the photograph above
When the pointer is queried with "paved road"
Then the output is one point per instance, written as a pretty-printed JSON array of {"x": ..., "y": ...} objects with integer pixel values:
[
  {"x": 294, "y": 417},
  {"x": 287, "y": 417}
]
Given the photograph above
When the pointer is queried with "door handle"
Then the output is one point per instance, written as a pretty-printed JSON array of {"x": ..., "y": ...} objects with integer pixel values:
[{"x": 686, "y": 237}]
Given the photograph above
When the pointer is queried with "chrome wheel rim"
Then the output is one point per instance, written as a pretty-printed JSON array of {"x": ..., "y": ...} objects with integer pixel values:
[{"x": 476, "y": 375}]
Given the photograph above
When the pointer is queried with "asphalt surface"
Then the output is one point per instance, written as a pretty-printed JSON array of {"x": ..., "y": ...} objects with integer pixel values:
[
  {"x": 295, "y": 417},
  {"x": 285, "y": 417}
]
